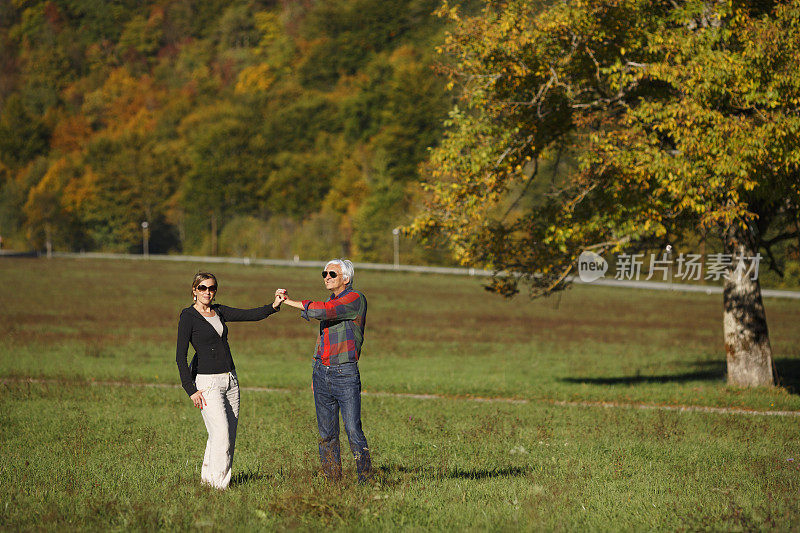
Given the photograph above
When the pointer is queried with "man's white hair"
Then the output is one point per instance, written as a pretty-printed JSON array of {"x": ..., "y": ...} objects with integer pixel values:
[{"x": 347, "y": 268}]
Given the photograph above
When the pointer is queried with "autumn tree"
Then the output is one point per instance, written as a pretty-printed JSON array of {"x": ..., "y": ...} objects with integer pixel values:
[
  {"x": 48, "y": 216},
  {"x": 678, "y": 115},
  {"x": 225, "y": 168},
  {"x": 23, "y": 136}
]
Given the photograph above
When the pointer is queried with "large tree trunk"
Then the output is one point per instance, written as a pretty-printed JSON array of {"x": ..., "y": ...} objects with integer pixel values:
[{"x": 747, "y": 345}]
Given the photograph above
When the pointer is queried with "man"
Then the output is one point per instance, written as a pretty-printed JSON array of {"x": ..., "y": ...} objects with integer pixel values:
[{"x": 336, "y": 380}]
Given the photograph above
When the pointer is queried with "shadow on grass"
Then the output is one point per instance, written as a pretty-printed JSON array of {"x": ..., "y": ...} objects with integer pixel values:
[
  {"x": 242, "y": 478},
  {"x": 705, "y": 371},
  {"x": 488, "y": 474},
  {"x": 789, "y": 374},
  {"x": 387, "y": 472}
]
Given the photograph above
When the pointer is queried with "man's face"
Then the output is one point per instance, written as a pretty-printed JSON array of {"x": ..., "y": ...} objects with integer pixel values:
[{"x": 334, "y": 284}]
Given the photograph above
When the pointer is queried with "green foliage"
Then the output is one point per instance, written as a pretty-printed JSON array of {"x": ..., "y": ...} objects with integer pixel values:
[
  {"x": 12, "y": 199},
  {"x": 299, "y": 182},
  {"x": 140, "y": 38},
  {"x": 345, "y": 34},
  {"x": 134, "y": 178},
  {"x": 225, "y": 168},
  {"x": 382, "y": 211},
  {"x": 679, "y": 117},
  {"x": 237, "y": 28},
  {"x": 99, "y": 20},
  {"x": 791, "y": 278},
  {"x": 23, "y": 135},
  {"x": 295, "y": 119}
]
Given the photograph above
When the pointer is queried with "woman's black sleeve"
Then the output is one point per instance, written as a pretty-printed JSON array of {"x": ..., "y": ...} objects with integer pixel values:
[
  {"x": 181, "y": 351},
  {"x": 232, "y": 314}
]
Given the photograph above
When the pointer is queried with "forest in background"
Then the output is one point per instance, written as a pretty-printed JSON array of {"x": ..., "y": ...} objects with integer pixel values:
[
  {"x": 259, "y": 128},
  {"x": 254, "y": 128}
]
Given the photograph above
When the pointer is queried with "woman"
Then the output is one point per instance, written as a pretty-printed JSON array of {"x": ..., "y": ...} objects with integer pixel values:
[{"x": 211, "y": 383}]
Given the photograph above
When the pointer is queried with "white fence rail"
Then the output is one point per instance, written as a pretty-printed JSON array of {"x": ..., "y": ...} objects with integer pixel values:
[{"x": 649, "y": 285}]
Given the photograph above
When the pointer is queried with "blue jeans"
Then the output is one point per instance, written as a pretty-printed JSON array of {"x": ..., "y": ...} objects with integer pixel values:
[{"x": 339, "y": 387}]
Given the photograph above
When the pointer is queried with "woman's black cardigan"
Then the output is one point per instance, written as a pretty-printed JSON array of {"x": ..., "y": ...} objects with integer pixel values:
[{"x": 213, "y": 353}]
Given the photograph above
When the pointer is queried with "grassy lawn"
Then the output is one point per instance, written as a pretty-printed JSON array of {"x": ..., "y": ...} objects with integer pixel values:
[{"x": 86, "y": 456}]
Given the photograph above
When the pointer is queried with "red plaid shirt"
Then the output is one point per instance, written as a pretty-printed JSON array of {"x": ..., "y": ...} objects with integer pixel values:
[{"x": 341, "y": 329}]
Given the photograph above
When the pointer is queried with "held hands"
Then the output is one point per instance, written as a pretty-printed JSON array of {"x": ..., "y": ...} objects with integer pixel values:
[
  {"x": 198, "y": 400},
  {"x": 280, "y": 297},
  {"x": 283, "y": 294}
]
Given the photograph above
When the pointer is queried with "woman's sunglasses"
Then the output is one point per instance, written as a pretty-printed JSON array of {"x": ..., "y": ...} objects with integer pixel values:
[
  {"x": 203, "y": 288},
  {"x": 332, "y": 274}
]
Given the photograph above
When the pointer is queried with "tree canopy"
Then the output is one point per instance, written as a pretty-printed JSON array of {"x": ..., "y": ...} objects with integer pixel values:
[{"x": 663, "y": 117}]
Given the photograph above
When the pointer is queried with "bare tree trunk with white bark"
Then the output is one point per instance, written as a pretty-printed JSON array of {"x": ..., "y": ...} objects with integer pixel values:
[{"x": 747, "y": 347}]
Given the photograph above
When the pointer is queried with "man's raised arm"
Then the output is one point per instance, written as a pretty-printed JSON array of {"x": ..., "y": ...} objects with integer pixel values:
[{"x": 346, "y": 307}]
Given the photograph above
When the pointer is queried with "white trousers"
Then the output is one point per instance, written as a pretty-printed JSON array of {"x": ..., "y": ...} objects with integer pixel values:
[{"x": 221, "y": 415}]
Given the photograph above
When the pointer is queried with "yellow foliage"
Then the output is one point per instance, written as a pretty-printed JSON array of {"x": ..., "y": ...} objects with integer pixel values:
[
  {"x": 269, "y": 25},
  {"x": 254, "y": 79}
]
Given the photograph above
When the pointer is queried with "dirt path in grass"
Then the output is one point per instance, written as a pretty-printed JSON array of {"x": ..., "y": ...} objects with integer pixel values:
[{"x": 603, "y": 404}]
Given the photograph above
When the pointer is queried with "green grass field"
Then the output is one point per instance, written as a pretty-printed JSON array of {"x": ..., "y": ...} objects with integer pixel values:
[{"x": 89, "y": 445}]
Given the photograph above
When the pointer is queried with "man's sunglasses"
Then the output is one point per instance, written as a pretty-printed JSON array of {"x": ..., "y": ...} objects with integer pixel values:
[
  {"x": 332, "y": 274},
  {"x": 203, "y": 288}
]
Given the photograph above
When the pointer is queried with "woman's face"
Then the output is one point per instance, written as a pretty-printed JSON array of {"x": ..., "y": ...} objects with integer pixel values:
[{"x": 203, "y": 291}]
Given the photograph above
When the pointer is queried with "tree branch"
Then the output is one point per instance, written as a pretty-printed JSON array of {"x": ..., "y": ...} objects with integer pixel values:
[
  {"x": 778, "y": 238},
  {"x": 524, "y": 188},
  {"x": 773, "y": 264},
  {"x": 558, "y": 280}
]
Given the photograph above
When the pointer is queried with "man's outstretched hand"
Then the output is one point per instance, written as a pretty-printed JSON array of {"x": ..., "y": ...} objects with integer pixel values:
[{"x": 284, "y": 294}]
